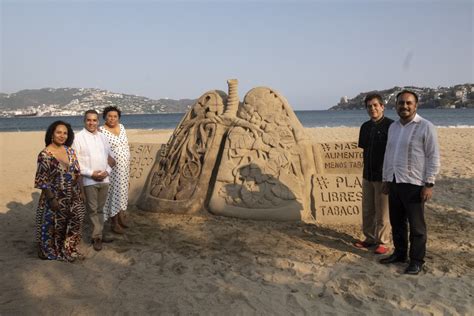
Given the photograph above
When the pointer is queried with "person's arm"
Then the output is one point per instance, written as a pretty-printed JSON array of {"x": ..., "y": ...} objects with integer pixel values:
[
  {"x": 77, "y": 175},
  {"x": 43, "y": 180},
  {"x": 362, "y": 143},
  {"x": 431, "y": 149},
  {"x": 110, "y": 163},
  {"x": 387, "y": 177},
  {"x": 432, "y": 161},
  {"x": 51, "y": 198},
  {"x": 81, "y": 188},
  {"x": 110, "y": 154},
  {"x": 80, "y": 149}
]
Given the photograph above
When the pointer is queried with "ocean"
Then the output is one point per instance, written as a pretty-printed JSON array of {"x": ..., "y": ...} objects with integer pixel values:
[{"x": 323, "y": 118}]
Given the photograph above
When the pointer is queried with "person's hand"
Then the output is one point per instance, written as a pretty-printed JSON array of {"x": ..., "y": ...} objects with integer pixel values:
[
  {"x": 97, "y": 176},
  {"x": 426, "y": 194},
  {"x": 54, "y": 204},
  {"x": 111, "y": 161},
  {"x": 385, "y": 187}
]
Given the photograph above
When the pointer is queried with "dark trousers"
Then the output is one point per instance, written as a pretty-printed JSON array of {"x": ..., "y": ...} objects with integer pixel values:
[{"x": 405, "y": 205}]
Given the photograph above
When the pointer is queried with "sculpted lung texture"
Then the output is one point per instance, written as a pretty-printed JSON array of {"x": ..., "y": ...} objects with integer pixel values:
[
  {"x": 248, "y": 160},
  {"x": 179, "y": 180},
  {"x": 261, "y": 172}
]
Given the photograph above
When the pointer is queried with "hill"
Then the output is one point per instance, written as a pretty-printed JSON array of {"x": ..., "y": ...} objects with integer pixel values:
[
  {"x": 74, "y": 101},
  {"x": 458, "y": 96}
]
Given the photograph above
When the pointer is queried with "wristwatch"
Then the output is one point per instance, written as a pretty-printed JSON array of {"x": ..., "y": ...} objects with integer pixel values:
[{"x": 429, "y": 185}]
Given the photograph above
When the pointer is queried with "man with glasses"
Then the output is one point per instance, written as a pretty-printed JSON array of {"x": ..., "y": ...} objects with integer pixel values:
[
  {"x": 410, "y": 166},
  {"x": 373, "y": 139}
]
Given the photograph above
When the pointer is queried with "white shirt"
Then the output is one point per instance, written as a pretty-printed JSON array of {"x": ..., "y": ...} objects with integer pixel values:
[
  {"x": 412, "y": 152},
  {"x": 92, "y": 150}
]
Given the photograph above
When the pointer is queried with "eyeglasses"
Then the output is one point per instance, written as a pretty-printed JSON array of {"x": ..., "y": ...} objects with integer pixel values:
[{"x": 401, "y": 102}]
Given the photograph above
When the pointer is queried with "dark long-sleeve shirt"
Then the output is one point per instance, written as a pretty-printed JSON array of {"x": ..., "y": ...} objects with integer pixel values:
[{"x": 373, "y": 139}]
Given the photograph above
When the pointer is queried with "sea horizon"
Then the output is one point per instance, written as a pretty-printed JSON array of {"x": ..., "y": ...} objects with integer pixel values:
[{"x": 447, "y": 118}]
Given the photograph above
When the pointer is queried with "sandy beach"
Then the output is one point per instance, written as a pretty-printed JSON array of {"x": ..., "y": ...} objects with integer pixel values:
[{"x": 180, "y": 264}]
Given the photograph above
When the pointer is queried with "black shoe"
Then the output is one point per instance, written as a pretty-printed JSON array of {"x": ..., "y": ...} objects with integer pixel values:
[
  {"x": 393, "y": 258},
  {"x": 97, "y": 244},
  {"x": 413, "y": 268}
]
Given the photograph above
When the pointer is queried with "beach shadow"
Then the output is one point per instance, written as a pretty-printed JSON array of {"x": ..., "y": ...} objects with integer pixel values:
[
  {"x": 245, "y": 263},
  {"x": 259, "y": 190},
  {"x": 18, "y": 226},
  {"x": 210, "y": 264},
  {"x": 33, "y": 286},
  {"x": 450, "y": 213},
  {"x": 455, "y": 193}
]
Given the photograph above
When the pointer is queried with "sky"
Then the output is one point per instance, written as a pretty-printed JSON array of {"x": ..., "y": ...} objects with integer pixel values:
[{"x": 312, "y": 52}]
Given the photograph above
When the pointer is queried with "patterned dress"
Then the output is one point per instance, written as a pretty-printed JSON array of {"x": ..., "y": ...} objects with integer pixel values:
[
  {"x": 117, "y": 198},
  {"x": 59, "y": 232}
]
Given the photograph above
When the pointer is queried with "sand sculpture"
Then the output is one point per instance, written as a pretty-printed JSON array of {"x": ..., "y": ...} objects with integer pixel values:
[
  {"x": 248, "y": 160},
  {"x": 179, "y": 180}
]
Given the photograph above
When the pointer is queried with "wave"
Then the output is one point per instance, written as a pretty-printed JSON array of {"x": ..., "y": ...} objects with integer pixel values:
[
  {"x": 352, "y": 126},
  {"x": 455, "y": 126}
]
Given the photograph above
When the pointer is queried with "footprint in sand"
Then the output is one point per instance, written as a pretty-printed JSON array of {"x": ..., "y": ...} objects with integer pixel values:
[
  {"x": 179, "y": 268},
  {"x": 121, "y": 249},
  {"x": 21, "y": 245},
  {"x": 293, "y": 304},
  {"x": 352, "y": 300}
]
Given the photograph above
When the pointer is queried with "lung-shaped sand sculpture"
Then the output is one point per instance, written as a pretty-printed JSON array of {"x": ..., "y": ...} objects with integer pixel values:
[
  {"x": 266, "y": 166},
  {"x": 179, "y": 180},
  {"x": 250, "y": 160}
]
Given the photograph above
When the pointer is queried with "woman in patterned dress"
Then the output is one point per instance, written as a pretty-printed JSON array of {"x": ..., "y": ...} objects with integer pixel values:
[
  {"x": 117, "y": 199},
  {"x": 61, "y": 210}
]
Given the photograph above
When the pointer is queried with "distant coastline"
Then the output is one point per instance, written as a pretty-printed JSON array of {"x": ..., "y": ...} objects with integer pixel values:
[
  {"x": 37, "y": 115},
  {"x": 62, "y": 102},
  {"x": 455, "y": 97},
  {"x": 463, "y": 118},
  {"x": 75, "y": 101}
]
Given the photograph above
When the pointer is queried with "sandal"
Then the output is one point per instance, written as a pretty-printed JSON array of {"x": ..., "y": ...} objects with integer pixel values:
[
  {"x": 122, "y": 220},
  {"x": 75, "y": 256},
  {"x": 40, "y": 252}
]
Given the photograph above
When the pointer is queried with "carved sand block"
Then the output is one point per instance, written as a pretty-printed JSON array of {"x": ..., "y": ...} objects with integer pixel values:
[
  {"x": 337, "y": 186},
  {"x": 340, "y": 157},
  {"x": 251, "y": 160},
  {"x": 338, "y": 198},
  {"x": 179, "y": 179},
  {"x": 142, "y": 159},
  {"x": 266, "y": 166}
]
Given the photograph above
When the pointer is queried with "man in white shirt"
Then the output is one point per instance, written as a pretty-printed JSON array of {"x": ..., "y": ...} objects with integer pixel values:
[
  {"x": 411, "y": 163},
  {"x": 95, "y": 159}
]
